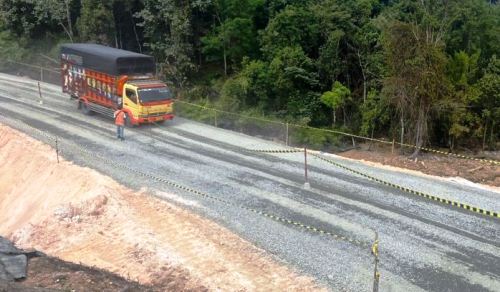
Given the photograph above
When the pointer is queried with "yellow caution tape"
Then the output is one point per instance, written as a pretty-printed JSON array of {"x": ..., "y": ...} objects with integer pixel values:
[
  {"x": 414, "y": 192},
  {"x": 375, "y": 248},
  {"x": 188, "y": 189},
  {"x": 346, "y": 134},
  {"x": 275, "y": 150},
  {"x": 230, "y": 113},
  {"x": 405, "y": 189}
]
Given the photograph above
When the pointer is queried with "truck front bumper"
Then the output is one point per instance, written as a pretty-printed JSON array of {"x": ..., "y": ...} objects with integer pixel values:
[{"x": 153, "y": 119}]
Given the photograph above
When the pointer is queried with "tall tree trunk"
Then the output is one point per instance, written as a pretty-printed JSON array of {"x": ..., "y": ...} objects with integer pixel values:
[
  {"x": 344, "y": 115},
  {"x": 484, "y": 134},
  {"x": 418, "y": 141},
  {"x": 68, "y": 16},
  {"x": 371, "y": 141},
  {"x": 419, "y": 137},
  {"x": 363, "y": 74},
  {"x": 135, "y": 32},
  {"x": 492, "y": 137},
  {"x": 402, "y": 137},
  {"x": 225, "y": 58},
  {"x": 334, "y": 118}
]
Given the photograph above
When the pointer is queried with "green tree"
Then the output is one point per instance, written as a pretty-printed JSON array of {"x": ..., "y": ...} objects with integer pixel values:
[
  {"x": 168, "y": 32},
  {"x": 293, "y": 78},
  {"x": 336, "y": 99},
  {"x": 489, "y": 102},
  {"x": 233, "y": 34},
  {"x": 374, "y": 111},
  {"x": 474, "y": 28},
  {"x": 96, "y": 23},
  {"x": 462, "y": 74},
  {"x": 294, "y": 26},
  {"x": 258, "y": 93},
  {"x": 231, "y": 40},
  {"x": 18, "y": 17},
  {"x": 58, "y": 11},
  {"x": 417, "y": 79}
]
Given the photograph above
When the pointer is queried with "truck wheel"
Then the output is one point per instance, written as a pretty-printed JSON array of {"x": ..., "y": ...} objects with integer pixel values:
[
  {"x": 128, "y": 122},
  {"x": 86, "y": 110}
]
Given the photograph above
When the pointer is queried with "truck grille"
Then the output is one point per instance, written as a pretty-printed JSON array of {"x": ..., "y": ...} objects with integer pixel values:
[{"x": 153, "y": 115}]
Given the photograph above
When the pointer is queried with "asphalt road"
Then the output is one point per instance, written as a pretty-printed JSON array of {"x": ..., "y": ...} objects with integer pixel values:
[{"x": 423, "y": 245}]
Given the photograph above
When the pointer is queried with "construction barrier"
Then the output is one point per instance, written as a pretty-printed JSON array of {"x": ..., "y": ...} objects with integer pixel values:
[
  {"x": 58, "y": 142},
  {"x": 297, "y": 224},
  {"x": 448, "y": 202},
  {"x": 286, "y": 126},
  {"x": 53, "y": 76},
  {"x": 276, "y": 151}
]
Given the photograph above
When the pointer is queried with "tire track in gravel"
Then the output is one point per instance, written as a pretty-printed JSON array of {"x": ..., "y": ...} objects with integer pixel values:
[
  {"x": 77, "y": 123},
  {"x": 315, "y": 199},
  {"x": 409, "y": 270},
  {"x": 269, "y": 157},
  {"x": 291, "y": 177},
  {"x": 331, "y": 188}
]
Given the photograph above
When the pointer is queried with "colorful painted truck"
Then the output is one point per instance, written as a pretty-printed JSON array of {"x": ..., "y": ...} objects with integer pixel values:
[{"x": 104, "y": 79}]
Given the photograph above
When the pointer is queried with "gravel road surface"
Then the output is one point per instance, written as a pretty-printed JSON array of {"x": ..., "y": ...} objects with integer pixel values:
[{"x": 424, "y": 246}]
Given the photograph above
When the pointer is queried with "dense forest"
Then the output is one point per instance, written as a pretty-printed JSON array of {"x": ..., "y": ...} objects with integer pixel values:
[{"x": 426, "y": 72}]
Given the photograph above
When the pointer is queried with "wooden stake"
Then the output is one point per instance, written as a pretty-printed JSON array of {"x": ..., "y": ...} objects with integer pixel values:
[
  {"x": 57, "y": 150},
  {"x": 40, "y": 93},
  {"x": 306, "y": 184},
  {"x": 215, "y": 118},
  {"x": 286, "y": 137}
]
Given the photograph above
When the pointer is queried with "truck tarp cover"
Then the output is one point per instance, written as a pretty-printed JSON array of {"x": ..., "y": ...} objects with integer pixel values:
[{"x": 109, "y": 60}]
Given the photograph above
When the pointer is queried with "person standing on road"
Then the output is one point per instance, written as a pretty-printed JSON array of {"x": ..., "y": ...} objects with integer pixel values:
[{"x": 120, "y": 123}]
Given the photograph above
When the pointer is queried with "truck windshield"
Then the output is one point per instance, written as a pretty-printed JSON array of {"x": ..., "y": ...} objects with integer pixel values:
[{"x": 154, "y": 94}]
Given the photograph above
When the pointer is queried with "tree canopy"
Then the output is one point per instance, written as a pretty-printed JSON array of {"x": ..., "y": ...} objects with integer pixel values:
[{"x": 424, "y": 72}]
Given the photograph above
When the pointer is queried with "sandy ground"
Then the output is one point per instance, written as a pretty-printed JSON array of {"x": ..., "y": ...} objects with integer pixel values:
[{"x": 80, "y": 216}]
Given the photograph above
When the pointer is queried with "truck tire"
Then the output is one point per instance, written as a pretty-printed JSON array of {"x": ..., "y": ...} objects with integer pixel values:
[
  {"x": 128, "y": 122},
  {"x": 86, "y": 110}
]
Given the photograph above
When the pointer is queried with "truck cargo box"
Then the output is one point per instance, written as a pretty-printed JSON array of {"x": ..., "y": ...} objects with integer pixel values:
[
  {"x": 108, "y": 60},
  {"x": 104, "y": 79}
]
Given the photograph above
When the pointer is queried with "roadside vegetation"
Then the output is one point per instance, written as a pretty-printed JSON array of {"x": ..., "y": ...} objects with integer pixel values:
[{"x": 425, "y": 73}]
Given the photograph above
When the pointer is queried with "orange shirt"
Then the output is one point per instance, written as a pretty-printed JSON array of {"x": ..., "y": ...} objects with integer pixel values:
[{"x": 119, "y": 118}]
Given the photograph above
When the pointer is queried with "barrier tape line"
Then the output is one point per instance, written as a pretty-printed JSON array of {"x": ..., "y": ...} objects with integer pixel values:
[
  {"x": 453, "y": 154},
  {"x": 275, "y": 150},
  {"x": 414, "y": 192},
  {"x": 188, "y": 189},
  {"x": 230, "y": 113},
  {"x": 348, "y": 135},
  {"x": 33, "y": 66}
]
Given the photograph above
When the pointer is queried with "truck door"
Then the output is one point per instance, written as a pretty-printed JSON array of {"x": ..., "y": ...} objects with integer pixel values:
[{"x": 130, "y": 102}]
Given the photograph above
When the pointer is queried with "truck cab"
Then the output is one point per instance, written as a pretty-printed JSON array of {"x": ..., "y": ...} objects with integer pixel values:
[{"x": 147, "y": 101}]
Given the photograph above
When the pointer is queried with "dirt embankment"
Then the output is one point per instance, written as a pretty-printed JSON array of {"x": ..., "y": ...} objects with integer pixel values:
[
  {"x": 81, "y": 216},
  {"x": 432, "y": 164}
]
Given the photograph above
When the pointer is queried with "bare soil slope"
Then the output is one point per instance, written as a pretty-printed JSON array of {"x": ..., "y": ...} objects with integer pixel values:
[
  {"x": 81, "y": 216},
  {"x": 432, "y": 164}
]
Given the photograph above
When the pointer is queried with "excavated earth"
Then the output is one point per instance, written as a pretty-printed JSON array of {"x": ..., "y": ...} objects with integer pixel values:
[{"x": 81, "y": 216}]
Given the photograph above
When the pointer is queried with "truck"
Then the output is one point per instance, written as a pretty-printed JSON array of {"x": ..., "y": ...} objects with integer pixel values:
[{"x": 103, "y": 79}]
